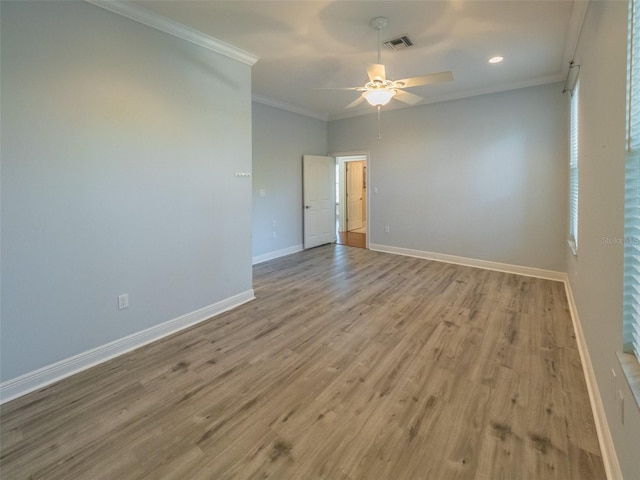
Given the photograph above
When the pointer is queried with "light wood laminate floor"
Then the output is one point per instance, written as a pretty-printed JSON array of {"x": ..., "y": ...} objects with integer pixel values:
[{"x": 350, "y": 364}]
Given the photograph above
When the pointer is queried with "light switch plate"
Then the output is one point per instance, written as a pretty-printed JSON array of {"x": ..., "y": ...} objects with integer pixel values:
[{"x": 123, "y": 301}]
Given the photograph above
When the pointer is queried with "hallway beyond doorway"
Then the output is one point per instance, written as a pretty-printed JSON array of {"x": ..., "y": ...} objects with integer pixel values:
[
  {"x": 362, "y": 229},
  {"x": 351, "y": 200},
  {"x": 356, "y": 238},
  {"x": 352, "y": 239}
]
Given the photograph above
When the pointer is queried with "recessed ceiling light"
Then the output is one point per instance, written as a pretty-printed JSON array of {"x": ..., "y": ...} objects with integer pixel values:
[{"x": 496, "y": 59}]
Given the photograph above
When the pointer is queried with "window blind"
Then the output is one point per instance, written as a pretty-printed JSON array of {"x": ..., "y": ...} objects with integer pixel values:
[
  {"x": 632, "y": 190},
  {"x": 573, "y": 170}
]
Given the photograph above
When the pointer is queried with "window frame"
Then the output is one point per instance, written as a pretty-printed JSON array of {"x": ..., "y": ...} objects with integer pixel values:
[
  {"x": 574, "y": 176},
  {"x": 630, "y": 357}
]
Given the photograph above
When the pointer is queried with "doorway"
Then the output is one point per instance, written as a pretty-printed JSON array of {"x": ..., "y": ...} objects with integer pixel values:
[{"x": 351, "y": 200}]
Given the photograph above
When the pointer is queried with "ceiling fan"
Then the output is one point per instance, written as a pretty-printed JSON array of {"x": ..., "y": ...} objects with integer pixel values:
[{"x": 379, "y": 91}]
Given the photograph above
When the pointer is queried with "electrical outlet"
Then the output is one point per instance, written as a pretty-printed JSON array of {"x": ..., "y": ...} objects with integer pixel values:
[
  {"x": 386, "y": 229},
  {"x": 123, "y": 301}
]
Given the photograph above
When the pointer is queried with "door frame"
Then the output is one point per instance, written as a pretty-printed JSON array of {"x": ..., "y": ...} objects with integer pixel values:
[{"x": 353, "y": 156}]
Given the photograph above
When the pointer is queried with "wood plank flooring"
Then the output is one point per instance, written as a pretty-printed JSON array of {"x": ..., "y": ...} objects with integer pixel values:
[
  {"x": 352, "y": 239},
  {"x": 350, "y": 364}
]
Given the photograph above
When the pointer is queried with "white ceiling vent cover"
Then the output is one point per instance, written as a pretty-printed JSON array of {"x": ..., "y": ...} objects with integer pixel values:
[{"x": 399, "y": 43}]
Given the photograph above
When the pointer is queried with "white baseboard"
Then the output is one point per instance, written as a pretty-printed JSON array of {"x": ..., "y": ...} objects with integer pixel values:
[
  {"x": 609, "y": 457},
  {"x": 49, "y": 374},
  {"x": 472, "y": 262},
  {"x": 42, "y": 377},
  {"x": 276, "y": 254}
]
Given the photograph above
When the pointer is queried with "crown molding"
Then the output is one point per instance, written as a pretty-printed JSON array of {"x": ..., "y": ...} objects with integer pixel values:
[
  {"x": 290, "y": 108},
  {"x": 456, "y": 96},
  {"x": 154, "y": 20}
]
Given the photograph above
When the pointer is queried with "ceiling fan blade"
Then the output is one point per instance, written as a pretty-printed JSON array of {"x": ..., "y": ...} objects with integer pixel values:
[
  {"x": 407, "y": 97},
  {"x": 425, "y": 79},
  {"x": 376, "y": 71},
  {"x": 356, "y": 102}
]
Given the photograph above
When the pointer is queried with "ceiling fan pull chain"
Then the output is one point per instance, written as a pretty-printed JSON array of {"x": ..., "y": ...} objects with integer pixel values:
[{"x": 379, "y": 131}]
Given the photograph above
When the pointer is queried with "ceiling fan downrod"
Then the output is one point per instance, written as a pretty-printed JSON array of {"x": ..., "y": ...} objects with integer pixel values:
[{"x": 378, "y": 24}]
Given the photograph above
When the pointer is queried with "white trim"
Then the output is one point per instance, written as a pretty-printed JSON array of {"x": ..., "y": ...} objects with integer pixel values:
[
  {"x": 49, "y": 374},
  {"x": 472, "y": 262},
  {"x": 154, "y": 20},
  {"x": 342, "y": 159},
  {"x": 534, "y": 82},
  {"x": 290, "y": 108},
  {"x": 607, "y": 448},
  {"x": 276, "y": 254},
  {"x": 357, "y": 153}
]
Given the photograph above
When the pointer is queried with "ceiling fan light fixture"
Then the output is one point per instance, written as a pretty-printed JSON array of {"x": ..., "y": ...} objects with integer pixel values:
[{"x": 379, "y": 97}]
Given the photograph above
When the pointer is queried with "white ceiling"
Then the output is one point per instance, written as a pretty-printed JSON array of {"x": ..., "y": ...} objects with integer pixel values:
[{"x": 305, "y": 45}]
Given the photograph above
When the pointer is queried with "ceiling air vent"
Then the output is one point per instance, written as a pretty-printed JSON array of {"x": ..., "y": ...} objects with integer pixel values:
[{"x": 399, "y": 43}]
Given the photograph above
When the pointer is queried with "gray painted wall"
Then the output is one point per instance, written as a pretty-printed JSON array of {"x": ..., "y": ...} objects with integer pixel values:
[
  {"x": 280, "y": 139},
  {"x": 120, "y": 146},
  {"x": 596, "y": 272},
  {"x": 482, "y": 177}
]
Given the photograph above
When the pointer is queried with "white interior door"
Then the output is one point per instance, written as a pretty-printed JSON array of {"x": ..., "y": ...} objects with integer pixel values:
[
  {"x": 319, "y": 197},
  {"x": 355, "y": 194}
]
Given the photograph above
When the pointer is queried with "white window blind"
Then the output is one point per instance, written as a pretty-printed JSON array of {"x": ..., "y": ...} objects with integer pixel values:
[
  {"x": 573, "y": 170},
  {"x": 632, "y": 191}
]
